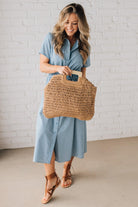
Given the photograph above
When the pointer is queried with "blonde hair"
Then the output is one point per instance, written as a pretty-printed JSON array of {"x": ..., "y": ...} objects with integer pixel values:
[{"x": 82, "y": 34}]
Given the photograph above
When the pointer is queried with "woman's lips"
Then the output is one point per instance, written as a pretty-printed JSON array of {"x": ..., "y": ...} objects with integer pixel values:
[{"x": 70, "y": 30}]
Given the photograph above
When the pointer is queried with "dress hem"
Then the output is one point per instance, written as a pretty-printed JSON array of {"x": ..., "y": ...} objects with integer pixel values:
[{"x": 60, "y": 161}]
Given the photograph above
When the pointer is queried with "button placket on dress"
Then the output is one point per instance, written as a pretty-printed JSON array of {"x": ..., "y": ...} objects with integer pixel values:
[
  {"x": 57, "y": 124},
  {"x": 55, "y": 136}
]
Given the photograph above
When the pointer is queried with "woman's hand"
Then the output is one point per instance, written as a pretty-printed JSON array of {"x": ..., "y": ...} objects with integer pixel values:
[{"x": 65, "y": 70}]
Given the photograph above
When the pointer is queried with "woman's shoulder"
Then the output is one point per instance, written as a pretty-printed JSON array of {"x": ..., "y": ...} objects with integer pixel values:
[{"x": 49, "y": 36}]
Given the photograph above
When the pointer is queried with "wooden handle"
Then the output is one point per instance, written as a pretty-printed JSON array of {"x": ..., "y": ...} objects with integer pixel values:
[{"x": 73, "y": 83}]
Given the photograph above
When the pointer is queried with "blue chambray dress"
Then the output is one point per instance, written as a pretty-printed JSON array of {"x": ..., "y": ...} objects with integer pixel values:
[{"x": 66, "y": 136}]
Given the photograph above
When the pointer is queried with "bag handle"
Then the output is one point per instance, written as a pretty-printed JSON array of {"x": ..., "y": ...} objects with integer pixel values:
[
  {"x": 76, "y": 83},
  {"x": 79, "y": 73}
]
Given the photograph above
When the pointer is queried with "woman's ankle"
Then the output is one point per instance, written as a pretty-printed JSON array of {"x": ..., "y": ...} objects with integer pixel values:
[{"x": 68, "y": 162}]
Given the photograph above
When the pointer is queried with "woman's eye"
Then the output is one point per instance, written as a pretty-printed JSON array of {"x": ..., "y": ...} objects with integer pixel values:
[{"x": 75, "y": 23}]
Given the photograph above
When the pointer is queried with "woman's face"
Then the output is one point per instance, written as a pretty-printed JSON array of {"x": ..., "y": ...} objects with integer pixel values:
[{"x": 71, "y": 25}]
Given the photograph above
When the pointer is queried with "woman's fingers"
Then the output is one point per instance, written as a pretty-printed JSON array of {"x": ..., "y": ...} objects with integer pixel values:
[
  {"x": 64, "y": 70},
  {"x": 68, "y": 70}
]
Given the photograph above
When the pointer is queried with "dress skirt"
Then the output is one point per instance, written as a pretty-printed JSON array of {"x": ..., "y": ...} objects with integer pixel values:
[{"x": 66, "y": 136}]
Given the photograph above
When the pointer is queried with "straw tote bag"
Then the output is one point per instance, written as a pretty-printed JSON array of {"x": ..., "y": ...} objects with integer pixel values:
[{"x": 67, "y": 98}]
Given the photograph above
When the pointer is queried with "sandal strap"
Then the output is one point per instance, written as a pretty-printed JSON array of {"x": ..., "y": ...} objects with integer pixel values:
[
  {"x": 52, "y": 175},
  {"x": 67, "y": 177},
  {"x": 51, "y": 190},
  {"x": 68, "y": 172},
  {"x": 48, "y": 177},
  {"x": 67, "y": 167}
]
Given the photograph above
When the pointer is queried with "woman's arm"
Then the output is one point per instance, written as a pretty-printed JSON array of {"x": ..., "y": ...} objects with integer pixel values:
[
  {"x": 45, "y": 66},
  {"x": 83, "y": 70},
  {"x": 48, "y": 68}
]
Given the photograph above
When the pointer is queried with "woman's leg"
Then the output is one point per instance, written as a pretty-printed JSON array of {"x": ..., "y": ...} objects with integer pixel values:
[
  {"x": 68, "y": 181},
  {"x": 69, "y": 162},
  {"x": 49, "y": 169}
]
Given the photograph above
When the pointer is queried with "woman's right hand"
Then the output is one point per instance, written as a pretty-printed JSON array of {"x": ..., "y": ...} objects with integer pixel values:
[{"x": 65, "y": 70}]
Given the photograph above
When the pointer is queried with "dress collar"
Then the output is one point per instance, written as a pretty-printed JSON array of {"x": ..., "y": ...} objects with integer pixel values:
[{"x": 75, "y": 46}]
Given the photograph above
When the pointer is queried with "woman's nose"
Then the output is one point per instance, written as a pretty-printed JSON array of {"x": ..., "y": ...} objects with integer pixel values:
[{"x": 70, "y": 26}]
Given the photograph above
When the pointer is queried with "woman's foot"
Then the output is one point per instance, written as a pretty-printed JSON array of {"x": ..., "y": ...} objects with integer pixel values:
[
  {"x": 52, "y": 182},
  {"x": 66, "y": 178}
]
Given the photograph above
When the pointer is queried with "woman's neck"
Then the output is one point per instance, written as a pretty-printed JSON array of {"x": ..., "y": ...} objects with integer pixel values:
[{"x": 72, "y": 40}]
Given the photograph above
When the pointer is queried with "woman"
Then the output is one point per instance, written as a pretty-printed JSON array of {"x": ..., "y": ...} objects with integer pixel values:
[{"x": 61, "y": 138}]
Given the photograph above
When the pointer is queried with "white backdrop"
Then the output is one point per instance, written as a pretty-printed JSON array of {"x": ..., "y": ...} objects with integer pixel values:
[{"x": 114, "y": 58}]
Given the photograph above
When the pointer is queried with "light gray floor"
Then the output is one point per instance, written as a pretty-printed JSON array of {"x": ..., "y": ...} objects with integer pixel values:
[{"x": 106, "y": 177}]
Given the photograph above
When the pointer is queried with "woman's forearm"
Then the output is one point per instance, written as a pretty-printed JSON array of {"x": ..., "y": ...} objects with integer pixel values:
[{"x": 48, "y": 68}]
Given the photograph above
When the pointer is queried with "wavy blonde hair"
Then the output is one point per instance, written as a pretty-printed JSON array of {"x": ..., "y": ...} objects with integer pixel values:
[{"x": 82, "y": 34}]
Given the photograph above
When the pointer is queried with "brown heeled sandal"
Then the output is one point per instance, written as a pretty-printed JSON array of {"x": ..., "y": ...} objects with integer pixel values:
[
  {"x": 50, "y": 191},
  {"x": 67, "y": 176}
]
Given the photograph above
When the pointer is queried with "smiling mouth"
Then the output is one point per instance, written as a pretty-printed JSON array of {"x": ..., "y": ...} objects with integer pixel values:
[{"x": 70, "y": 30}]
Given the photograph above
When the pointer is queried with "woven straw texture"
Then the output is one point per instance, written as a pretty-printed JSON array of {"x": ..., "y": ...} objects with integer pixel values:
[{"x": 67, "y": 98}]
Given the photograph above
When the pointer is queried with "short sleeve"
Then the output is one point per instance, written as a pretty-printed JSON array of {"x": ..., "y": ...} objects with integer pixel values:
[
  {"x": 46, "y": 46},
  {"x": 87, "y": 63}
]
